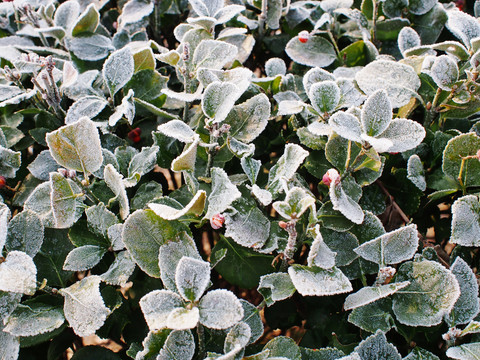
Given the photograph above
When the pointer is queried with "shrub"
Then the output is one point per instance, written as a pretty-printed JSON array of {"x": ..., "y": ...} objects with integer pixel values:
[{"x": 239, "y": 180}]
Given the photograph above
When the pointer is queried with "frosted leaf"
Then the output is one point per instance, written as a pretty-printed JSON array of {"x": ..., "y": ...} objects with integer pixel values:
[
  {"x": 467, "y": 305},
  {"x": 4, "y": 216},
  {"x": 133, "y": 11},
  {"x": 10, "y": 345},
  {"x": 237, "y": 338},
  {"x": 214, "y": 54},
  {"x": 464, "y": 145},
  {"x": 120, "y": 270},
  {"x": 399, "y": 80},
  {"x": 404, "y": 134},
  {"x": 263, "y": 196},
  {"x": 205, "y": 7},
  {"x": 90, "y": 47},
  {"x": 465, "y": 221},
  {"x": 82, "y": 86},
  {"x": 465, "y": 351},
  {"x": 345, "y": 204},
  {"x": 416, "y": 172},
  {"x": 320, "y": 254},
  {"x": 178, "y": 130},
  {"x": 289, "y": 107},
  {"x": 182, "y": 319},
  {"x": 66, "y": 14},
  {"x": 315, "y": 75},
  {"x": 275, "y": 66},
  {"x": 391, "y": 248},
  {"x": 464, "y": 26},
  {"x": 275, "y": 287},
  {"x": 286, "y": 167},
  {"x": 194, "y": 207},
  {"x": 473, "y": 327},
  {"x": 10, "y": 162},
  {"x": 125, "y": 109},
  {"x": 444, "y": 72},
  {"x": 100, "y": 219},
  {"x": 87, "y": 21},
  {"x": 317, "y": 51},
  {"x": 40, "y": 203},
  {"x": 240, "y": 149},
  {"x": 320, "y": 129},
  {"x": 249, "y": 119},
  {"x": 118, "y": 70},
  {"x": 296, "y": 203},
  {"x": 350, "y": 95},
  {"x": 114, "y": 234},
  {"x": 25, "y": 232},
  {"x": 84, "y": 308},
  {"x": 345, "y": 125},
  {"x": 420, "y": 354},
  {"x": 76, "y": 146},
  {"x": 157, "y": 305},
  {"x": 186, "y": 160},
  {"x": 69, "y": 75},
  {"x": 183, "y": 96},
  {"x": 180, "y": 344},
  {"x": 376, "y": 113},
  {"x": 8, "y": 91},
  {"x": 247, "y": 227},
  {"x": 374, "y": 316},
  {"x": 64, "y": 201},
  {"x": 43, "y": 165},
  {"x": 415, "y": 305},
  {"x": 143, "y": 162},
  {"x": 352, "y": 356},
  {"x": 315, "y": 281},
  {"x": 34, "y": 319},
  {"x": 251, "y": 167},
  {"x": 223, "y": 193},
  {"x": 114, "y": 181},
  {"x": 19, "y": 98},
  {"x": 18, "y": 273},
  {"x": 218, "y": 99},
  {"x": 220, "y": 309},
  {"x": 171, "y": 57},
  {"x": 192, "y": 277},
  {"x": 324, "y": 96},
  {"x": 342, "y": 243},
  {"x": 227, "y": 12},
  {"x": 421, "y": 7},
  {"x": 251, "y": 316},
  {"x": 369, "y": 294},
  {"x": 407, "y": 39},
  {"x": 331, "y": 5},
  {"x": 376, "y": 347},
  {"x": 283, "y": 348},
  {"x": 84, "y": 258},
  {"x": 452, "y": 47}
]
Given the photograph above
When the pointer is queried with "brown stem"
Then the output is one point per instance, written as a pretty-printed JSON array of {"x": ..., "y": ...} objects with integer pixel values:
[{"x": 392, "y": 201}]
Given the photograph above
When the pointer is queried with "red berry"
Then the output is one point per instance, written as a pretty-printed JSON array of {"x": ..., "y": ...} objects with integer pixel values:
[
  {"x": 217, "y": 221},
  {"x": 330, "y": 176},
  {"x": 134, "y": 135},
  {"x": 303, "y": 36},
  {"x": 282, "y": 224},
  {"x": 3, "y": 182}
]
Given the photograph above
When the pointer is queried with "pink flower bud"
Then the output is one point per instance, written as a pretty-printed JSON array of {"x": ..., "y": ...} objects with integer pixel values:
[
  {"x": 478, "y": 154},
  {"x": 303, "y": 36},
  {"x": 330, "y": 176},
  {"x": 217, "y": 221}
]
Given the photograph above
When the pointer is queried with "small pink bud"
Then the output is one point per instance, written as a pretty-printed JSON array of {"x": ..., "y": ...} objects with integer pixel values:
[
  {"x": 282, "y": 224},
  {"x": 330, "y": 176},
  {"x": 63, "y": 172},
  {"x": 217, "y": 221},
  {"x": 303, "y": 36},
  {"x": 478, "y": 154}
]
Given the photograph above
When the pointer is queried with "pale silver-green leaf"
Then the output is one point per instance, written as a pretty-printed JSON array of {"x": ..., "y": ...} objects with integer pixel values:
[
  {"x": 315, "y": 281},
  {"x": 18, "y": 273}
]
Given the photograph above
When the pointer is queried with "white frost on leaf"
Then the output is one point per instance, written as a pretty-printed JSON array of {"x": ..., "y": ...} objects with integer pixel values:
[
  {"x": 120, "y": 270},
  {"x": 89, "y": 106},
  {"x": 84, "y": 308},
  {"x": 34, "y": 319},
  {"x": 10, "y": 345},
  {"x": 178, "y": 130},
  {"x": 192, "y": 277},
  {"x": 4, "y": 216},
  {"x": 324, "y": 96},
  {"x": 114, "y": 181},
  {"x": 315, "y": 75},
  {"x": 186, "y": 160},
  {"x": 344, "y": 124},
  {"x": 320, "y": 254},
  {"x": 444, "y": 72},
  {"x": 263, "y": 196},
  {"x": 345, "y": 204},
  {"x": 315, "y": 281},
  {"x": 218, "y": 99},
  {"x": 407, "y": 39},
  {"x": 376, "y": 113},
  {"x": 83, "y": 258},
  {"x": 391, "y": 248},
  {"x": 416, "y": 172},
  {"x": 157, "y": 305},
  {"x": 465, "y": 351},
  {"x": 118, "y": 70},
  {"x": 290, "y": 107},
  {"x": 214, "y": 54},
  {"x": 377, "y": 347},
  {"x": 220, "y": 309},
  {"x": 182, "y": 318},
  {"x": 464, "y": 26},
  {"x": 275, "y": 287},
  {"x": 180, "y": 344},
  {"x": 370, "y": 294},
  {"x": 64, "y": 201},
  {"x": 465, "y": 221},
  {"x": 223, "y": 193},
  {"x": 194, "y": 207},
  {"x": 18, "y": 273},
  {"x": 125, "y": 109}
]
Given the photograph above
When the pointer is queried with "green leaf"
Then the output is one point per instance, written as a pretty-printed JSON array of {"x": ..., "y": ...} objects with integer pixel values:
[
  {"x": 192, "y": 277},
  {"x": 374, "y": 316},
  {"x": 25, "y": 232},
  {"x": 295, "y": 204},
  {"x": 91, "y": 47},
  {"x": 370, "y": 294},
  {"x": 218, "y": 99},
  {"x": 18, "y": 273},
  {"x": 466, "y": 221},
  {"x": 43, "y": 165},
  {"x": 125, "y": 109},
  {"x": 464, "y": 26},
  {"x": 146, "y": 84},
  {"x": 39, "y": 202},
  {"x": 420, "y": 354},
  {"x": 467, "y": 305},
  {"x": 34, "y": 318},
  {"x": 114, "y": 181},
  {"x": 223, "y": 193},
  {"x": 213, "y": 54},
  {"x": 276, "y": 287},
  {"x": 179, "y": 345},
  {"x": 343, "y": 243},
  {"x": 242, "y": 266},
  {"x": 333, "y": 219},
  {"x": 414, "y": 305},
  {"x": 251, "y": 316},
  {"x": 283, "y": 347},
  {"x": 324, "y": 96},
  {"x": 146, "y": 193},
  {"x": 465, "y": 351},
  {"x": 120, "y": 270},
  {"x": 10, "y": 162},
  {"x": 100, "y": 219},
  {"x": 274, "y": 13},
  {"x": 459, "y": 147},
  {"x": 376, "y": 113},
  {"x": 65, "y": 202},
  {"x": 416, "y": 172},
  {"x": 248, "y": 120},
  {"x": 84, "y": 258},
  {"x": 315, "y": 281},
  {"x": 237, "y": 338},
  {"x": 391, "y": 248},
  {"x": 152, "y": 345},
  {"x": 444, "y": 72},
  {"x": 144, "y": 233},
  {"x": 317, "y": 51},
  {"x": 157, "y": 306},
  {"x": 84, "y": 308},
  {"x": 77, "y": 146},
  {"x": 143, "y": 59},
  {"x": 194, "y": 207},
  {"x": 87, "y": 22},
  {"x": 377, "y": 347},
  {"x": 143, "y": 162},
  {"x": 118, "y": 70},
  {"x": 430, "y": 25}
]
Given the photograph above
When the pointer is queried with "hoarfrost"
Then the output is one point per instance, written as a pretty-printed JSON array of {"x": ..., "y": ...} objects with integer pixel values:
[
  {"x": 40, "y": 203},
  {"x": 179, "y": 345},
  {"x": 83, "y": 258},
  {"x": 314, "y": 76},
  {"x": 345, "y": 204},
  {"x": 84, "y": 308},
  {"x": 183, "y": 319},
  {"x": 263, "y": 196},
  {"x": 376, "y": 113},
  {"x": 192, "y": 277},
  {"x": 249, "y": 229},
  {"x": 465, "y": 221},
  {"x": 25, "y": 232},
  {"x": 18, "y": 273},
  {"x": 100, "y": 219},
  {"x": 114, "y": 234},
  {"x": 218, "y": 99},
  {"x": 64, "y": 201},
  {"x": 178, "y": 130},
  {"x": 118, "y": 69},
  {"x": 346, "y": 125},
  {"x": 214, "y": 54},
  {"x": 416, "y": 172},
  {"x": 275, "y": 66},
  {"x": 444, "y": 72},
  {"x": 463, "y": 26},
  {"x": 89, "y": 106},
  {"x": 465, "y": 351},
  {"x": 157, "y": 305},
  {"x": 289, "y": 107},
  {"x": 407, "y": 39},
  {"x": 43, "y": 165},
  {"x": 220, "y": 309},
  {"x": 186, "y": 160},
  {"x": 120, "y": 270},
  {"x": 10, "y": 345},
  {"x": 4, "y": 216},
  {"x": 275, "y": 287},
  {"x": 404, "y": 135},
  {"x": 194, "y": 207},
  {"x": 223, "y": 193},
  {"x": 320, "y": 254},
  {"x": 125, "y": 109},
  {"x": 376, "y": 347},
  {"x": 314, "y": 281},
  {"x": 324, "y": 96},
  {"x": 34, "y": 319},
  {"x": 316, "y": 52},
  {"x": 350, "y": 95},
  {"x": 369, "y": 294},
  {"x": 114, "y": 181}
]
